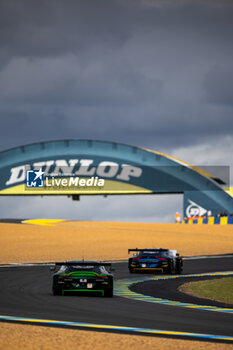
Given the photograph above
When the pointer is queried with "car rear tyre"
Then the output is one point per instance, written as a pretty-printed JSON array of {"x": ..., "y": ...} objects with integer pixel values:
[
  {"x": 170, "y": 269},
  {"x": 57, "y": 291},
  {"x": 179, "y": 268},
  {"x": 108, "y": 293}
]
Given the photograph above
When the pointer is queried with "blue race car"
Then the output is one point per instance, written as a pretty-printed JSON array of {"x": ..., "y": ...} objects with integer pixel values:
[{"x": 155, "y": 260}]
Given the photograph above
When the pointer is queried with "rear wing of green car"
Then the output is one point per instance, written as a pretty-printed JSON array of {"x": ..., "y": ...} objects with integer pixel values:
[
  {"x": 82, "y": 263},
  {"x": 56, "y": 265}
]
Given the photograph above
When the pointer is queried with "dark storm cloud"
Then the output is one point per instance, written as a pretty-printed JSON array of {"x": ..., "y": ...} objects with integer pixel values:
[
  {"x": 219, "y": 86},
  {"x": 31, "y": 28},
  {"x": 138, "y": 72}
]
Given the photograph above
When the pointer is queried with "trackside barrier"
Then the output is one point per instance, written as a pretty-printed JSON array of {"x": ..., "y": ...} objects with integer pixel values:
[{"x": 210, "y": 220}]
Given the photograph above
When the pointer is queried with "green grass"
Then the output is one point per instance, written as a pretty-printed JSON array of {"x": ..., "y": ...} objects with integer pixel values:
[{"x": 217, "y": 289}]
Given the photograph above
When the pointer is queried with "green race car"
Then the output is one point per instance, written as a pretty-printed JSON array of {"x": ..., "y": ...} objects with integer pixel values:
[{"x": 82, "y": 277}]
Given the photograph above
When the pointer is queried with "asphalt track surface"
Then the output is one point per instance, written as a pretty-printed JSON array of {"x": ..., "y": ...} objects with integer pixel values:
[{"x": 26, "y": 292}]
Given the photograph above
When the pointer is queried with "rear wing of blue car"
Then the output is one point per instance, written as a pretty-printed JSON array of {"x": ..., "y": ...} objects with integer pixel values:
[{"x": 148, "y": 250}]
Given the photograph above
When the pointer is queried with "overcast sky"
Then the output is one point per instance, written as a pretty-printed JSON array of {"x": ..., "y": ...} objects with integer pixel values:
[{"x": 149, "y": 73}]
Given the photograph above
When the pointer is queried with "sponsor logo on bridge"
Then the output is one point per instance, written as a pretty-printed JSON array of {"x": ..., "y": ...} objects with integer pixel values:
[{"x": 195, "y": 210}]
